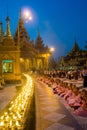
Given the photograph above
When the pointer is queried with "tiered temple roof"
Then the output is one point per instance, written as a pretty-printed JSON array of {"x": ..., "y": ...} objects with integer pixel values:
[
  {"x": 75, "y": 58},
  {"x": 39, "y": 45},
  {"x": 6, "y": 40},
  {"x": 28, "y": 47}
]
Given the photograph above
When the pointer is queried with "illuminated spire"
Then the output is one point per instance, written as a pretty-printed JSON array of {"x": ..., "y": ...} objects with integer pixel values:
[
  {"x": 21, "y": 22},
  {"x": 75, "y": 47},
  {"x": 38, "y": 32},
  {"x": 8, "y": 33},
  {"x": 75, "y": 40},
  {"x": 20, "y": 14},
  {"x": 1, "y": 30},
  {"x": 18, "y": 35}
]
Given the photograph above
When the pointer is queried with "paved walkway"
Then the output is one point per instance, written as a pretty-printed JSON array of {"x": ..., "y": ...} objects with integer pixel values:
[
  {"x": 51, "y": 114},
  {"x": 6, "y": 95}
]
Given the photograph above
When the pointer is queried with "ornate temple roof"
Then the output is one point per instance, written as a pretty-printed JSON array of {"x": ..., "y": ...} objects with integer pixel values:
[
  {"x": 26, "y": 46},
  {"x": 6, "y": 40},
  {"x": 39, "y": 45},
  {"x": 75, "y": 47},
  {"x": 23, "y": 35}
]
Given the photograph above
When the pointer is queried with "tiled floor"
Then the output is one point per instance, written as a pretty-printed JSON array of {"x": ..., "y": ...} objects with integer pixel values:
[
  {"x": 51, "y": 114},
  {"x": 57, "y": 126}
]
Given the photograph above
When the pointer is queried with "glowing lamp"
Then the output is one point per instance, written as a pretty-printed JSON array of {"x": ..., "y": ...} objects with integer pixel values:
[
  {"x": 27, "y": 15},
  {"x": 2, "y": 123},
  {"x": 51, "y": 49}
]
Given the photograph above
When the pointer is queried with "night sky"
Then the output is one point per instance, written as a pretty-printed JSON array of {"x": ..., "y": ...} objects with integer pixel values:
[{"x": 59, "y": 21}]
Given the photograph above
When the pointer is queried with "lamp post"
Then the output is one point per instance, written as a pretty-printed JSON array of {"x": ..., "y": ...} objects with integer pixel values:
[
  {"x": 50, "y": 58},
  {"x": 52, "y": 49}
]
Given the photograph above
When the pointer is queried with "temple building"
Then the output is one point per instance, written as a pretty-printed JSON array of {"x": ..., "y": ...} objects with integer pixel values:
[
  {"x": 76, "y": 58},
  {"x": 19, "y": 54},
  {"x": 34, "y": 55},
  {"x": 9, "y": 55}
]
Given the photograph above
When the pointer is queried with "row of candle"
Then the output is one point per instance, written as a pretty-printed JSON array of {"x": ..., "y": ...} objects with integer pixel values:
[{"x": 14, "y": 116}]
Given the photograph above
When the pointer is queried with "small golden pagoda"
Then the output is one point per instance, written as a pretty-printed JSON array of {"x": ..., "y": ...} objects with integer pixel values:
[{"x": 9, "y": 55}]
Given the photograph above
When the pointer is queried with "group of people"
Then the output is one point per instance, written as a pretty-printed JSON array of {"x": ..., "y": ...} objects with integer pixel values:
[
  {"x": 85, "y": 77},
  {"x": 69, "y": 74},
  {"x": 74, "y": 97}
]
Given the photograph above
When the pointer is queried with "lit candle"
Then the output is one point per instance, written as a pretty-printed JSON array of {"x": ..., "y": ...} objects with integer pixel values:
[
  {"x": 2, "y": 123},
  {"x": 10, "y": 123}
]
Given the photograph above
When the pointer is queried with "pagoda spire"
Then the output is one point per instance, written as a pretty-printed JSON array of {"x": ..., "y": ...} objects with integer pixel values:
[
  {"x": 1, "y": 30},
  {"x": 18, "y": 35},
  {"x": 38, "y": 32},
  {"x": 21, "y": 21},
  {"x": 8, "y": 33},
  {"x": 76, "y": 46},
  {"x": 75, "y": 41},
  {"x": 20, "y": 15},
  {"x": 21, "y": 33}
]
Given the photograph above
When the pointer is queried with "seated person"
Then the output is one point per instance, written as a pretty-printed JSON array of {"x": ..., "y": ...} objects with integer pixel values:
[{"x": 82, "y": 110}]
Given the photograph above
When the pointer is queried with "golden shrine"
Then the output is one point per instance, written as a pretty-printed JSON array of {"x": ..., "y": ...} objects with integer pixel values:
[
  {"x": 9, "y": 55},
  {"x": 34, "y": 55},
  {"x": 19, "y": 54}
]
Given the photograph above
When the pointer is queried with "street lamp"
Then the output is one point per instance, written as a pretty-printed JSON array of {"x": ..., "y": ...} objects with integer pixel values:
[
  {"x": 27, "y": 15},
  {"x": 52, "y": 49}
]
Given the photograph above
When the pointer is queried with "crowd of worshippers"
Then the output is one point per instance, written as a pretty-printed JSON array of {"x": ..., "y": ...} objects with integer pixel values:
[
  {"x": 74, "y": 97},
  {"x": 69, "y": 74}
]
